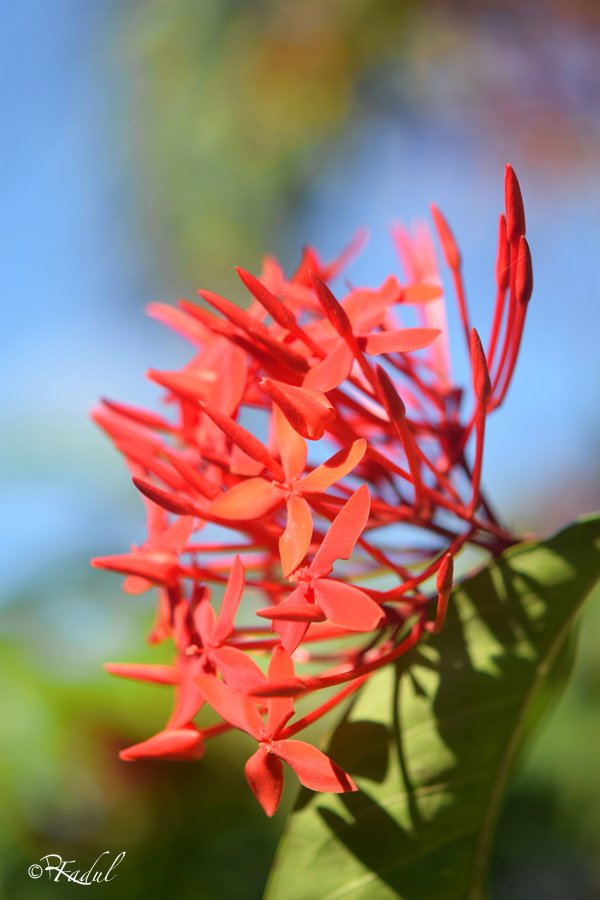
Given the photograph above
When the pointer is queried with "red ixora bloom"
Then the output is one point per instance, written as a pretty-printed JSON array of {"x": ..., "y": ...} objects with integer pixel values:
[{"x": 303, "y": 426}]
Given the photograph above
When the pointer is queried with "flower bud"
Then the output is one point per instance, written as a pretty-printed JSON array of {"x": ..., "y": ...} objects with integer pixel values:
[
  {"x": 515, "y": 213},
  {"x": 524, "y": 273},
  {"x": 503, "y": 257},
  {"x": 481, "y": 376},
  {"x": 447, "y": 240}
]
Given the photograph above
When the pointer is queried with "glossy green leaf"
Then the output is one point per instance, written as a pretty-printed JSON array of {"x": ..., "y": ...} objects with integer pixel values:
[{"x": 431, "y": 742}]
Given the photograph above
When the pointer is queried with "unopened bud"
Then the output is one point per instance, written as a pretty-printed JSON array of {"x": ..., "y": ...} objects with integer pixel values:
[
  {"x": 273, "y": 305},
  {"x": 481, "y": 376},
  {"x": 503, "y": 257},
  {"x": 392, "y": 401},
  {"x": 524, "y": 273},
  {"x": 331, "y": 307},
  {"x": 515, "y": 213},
  {"x": 447, "y": 240},
  {"x": 445, "y": 574}
]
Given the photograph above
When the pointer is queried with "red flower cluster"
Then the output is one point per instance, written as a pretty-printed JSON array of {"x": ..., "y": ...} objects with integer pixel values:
[{"x": 359, "y": 433}]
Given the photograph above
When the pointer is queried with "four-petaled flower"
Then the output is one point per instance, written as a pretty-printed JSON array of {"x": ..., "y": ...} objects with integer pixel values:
[
  {"x": 317, "y": 597},
  {"x": 264, "y": 771}
]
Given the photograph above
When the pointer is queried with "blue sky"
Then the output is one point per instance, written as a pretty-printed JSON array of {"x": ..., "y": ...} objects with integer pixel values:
[{"x": 77, "y": 271}]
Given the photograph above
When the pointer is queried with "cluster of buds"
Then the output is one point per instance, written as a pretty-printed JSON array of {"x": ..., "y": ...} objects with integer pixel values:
[{"x": 310, "y": 433}]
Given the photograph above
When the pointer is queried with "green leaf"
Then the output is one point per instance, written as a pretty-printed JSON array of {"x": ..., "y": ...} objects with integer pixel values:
[{"x": 431, "y": 742}]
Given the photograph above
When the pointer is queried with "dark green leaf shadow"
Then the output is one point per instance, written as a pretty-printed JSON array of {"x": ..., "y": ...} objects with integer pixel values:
[{"x": 431, "y": 742}]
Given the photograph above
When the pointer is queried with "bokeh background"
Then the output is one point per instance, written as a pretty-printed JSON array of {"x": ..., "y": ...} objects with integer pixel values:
[{"x": 147, "y": 148}]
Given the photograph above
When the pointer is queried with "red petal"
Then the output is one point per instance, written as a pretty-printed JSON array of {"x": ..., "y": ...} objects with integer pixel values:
[
  {"x": 172, "y": 743},
  {"x": 367, "y": 308},
  {"x": 237, "y": 668},
  {"x": 134, "y": 585},
  {"x": 153, "y": 674},
  {"x": 119, "y": 428},
  {"x": 231, "y": 706},
  {"x": 292, "y": 447},
  {"x": 227, "y": 368},
  {"x": 314, "y": 769},
  {"x": 189, "y": 698},
  {"x": 230, "y": 602},
  {"x": 205, "y": 620},
  {"x": 347, "y": 605},
  {"x": 329, "y": 373},
  {"x": 175, "y": 537},
  {"x": 280, "y": 709},
  {"x": 248, "y": 500},
  {"x": 308, "y": 411},
  {"x": 343, "y": 532},
  {"x": 334, "y": 469},
  {"x": 404, "y": 340},
  {"x": 291, "y": 634},
  {"x": 159, "y": 568},
  {"x": 421, "y": 293},
  {"x": 179, "y": 321},
  {"x": 188, "y": 385},
  {"x": 295, "y": 540},
  {"x": 264, "y": 774},
  {"x": 242, "y": 464},
  {"x": 141, "y": 416}
]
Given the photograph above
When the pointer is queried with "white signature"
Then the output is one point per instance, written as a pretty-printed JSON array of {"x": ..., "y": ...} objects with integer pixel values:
[{"x": 56, "y": 867}]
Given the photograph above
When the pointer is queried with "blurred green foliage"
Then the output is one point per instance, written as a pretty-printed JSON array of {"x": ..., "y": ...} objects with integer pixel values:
[
  {"x": 232, "y": 105},
  {"x": 189, "y": 831},
  {"x": 195, "y": 830},
  {"x": 549, "y": 831}
]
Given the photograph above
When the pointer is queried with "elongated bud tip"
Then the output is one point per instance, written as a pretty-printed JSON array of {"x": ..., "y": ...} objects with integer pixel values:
[
  {"x": 331, "y": 306},
  {"x": 515, "y": 213},
  {"x": 481, "y": 376},
  {"x": 249, "y": 281},
  {"x": 447, "y": 239},
  {"x": 392, "y": 401},
  {"x": 445, "y": 574},
  {"x": 320, "y": 288},
  {"x": 171, "y": 502},
  {"x": 273, "y": 305},
  {"x": 503, "y": 257},
  {"x": 524, "y": 273}
]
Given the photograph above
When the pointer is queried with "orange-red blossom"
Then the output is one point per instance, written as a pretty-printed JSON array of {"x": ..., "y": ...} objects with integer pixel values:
[{"x": 302, "y": 448}]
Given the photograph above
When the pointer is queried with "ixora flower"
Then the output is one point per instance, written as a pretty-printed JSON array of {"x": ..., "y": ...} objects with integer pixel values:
[{"x": 304, "y": 446}]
